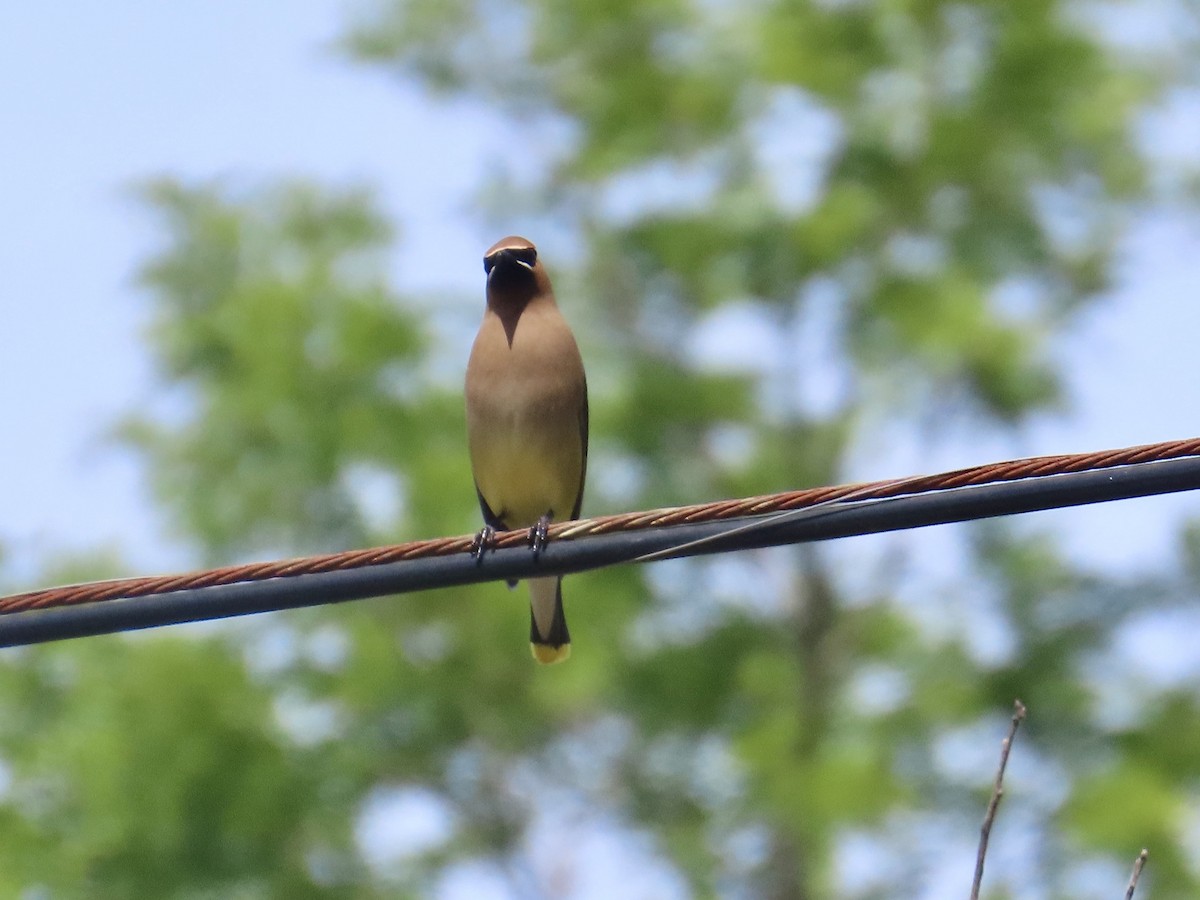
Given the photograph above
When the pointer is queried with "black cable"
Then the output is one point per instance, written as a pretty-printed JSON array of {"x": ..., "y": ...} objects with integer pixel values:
[{"x": 841, "y": 519}]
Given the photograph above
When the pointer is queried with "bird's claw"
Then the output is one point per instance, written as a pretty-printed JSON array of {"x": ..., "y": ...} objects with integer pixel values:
[
  {"x": 539, "y": 534},
  {"x": 484, "y": 541}
]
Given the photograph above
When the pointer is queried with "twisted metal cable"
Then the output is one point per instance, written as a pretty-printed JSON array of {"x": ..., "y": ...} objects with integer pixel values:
[{"x": 991, "y": 473}]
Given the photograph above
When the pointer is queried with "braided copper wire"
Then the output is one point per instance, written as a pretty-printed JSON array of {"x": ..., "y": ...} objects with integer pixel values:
[{"x": 992, "y": 473}]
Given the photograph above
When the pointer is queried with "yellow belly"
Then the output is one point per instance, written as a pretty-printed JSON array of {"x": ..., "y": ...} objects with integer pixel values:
[
  {"x": 527, "y": 465},
  {"x": 525, "y": 404}
]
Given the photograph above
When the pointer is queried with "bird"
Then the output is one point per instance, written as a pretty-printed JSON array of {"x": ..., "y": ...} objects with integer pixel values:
[{"x": 527, "y": 422}]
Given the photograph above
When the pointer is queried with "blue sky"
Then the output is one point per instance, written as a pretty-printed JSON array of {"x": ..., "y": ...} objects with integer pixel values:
[{"x": 99, "y": 98}]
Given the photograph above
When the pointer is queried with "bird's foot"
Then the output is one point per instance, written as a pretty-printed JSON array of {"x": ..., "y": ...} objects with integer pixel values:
[
  {"x": 484, "y": 541},
  {"x": 539, "y": 534}
]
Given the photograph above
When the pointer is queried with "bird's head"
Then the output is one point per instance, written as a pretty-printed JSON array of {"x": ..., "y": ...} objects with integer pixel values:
[{"x": 514, "y": 269}]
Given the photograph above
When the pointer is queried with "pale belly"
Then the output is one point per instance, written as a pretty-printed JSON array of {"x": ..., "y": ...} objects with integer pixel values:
[{"x": 526, "y": 451}]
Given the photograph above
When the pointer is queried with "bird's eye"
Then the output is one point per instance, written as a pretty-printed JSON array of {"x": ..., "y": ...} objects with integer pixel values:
[{"x": 527, "y": 255}]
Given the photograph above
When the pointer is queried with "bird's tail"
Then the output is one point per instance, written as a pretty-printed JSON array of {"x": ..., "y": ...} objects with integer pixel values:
[{"x": 548, "y": 636}]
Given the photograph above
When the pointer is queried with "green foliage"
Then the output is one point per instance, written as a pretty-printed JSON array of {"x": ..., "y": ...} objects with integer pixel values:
[
  {"x": 143, "y": 768},
  {"x": 297, "y": 366},
  {"x": 746, "y": 716}
]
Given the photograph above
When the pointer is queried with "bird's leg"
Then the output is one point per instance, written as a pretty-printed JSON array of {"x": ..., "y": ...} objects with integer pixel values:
[
  {"x": 538, "y": 534},
  {"x": 484, "y": 541}
]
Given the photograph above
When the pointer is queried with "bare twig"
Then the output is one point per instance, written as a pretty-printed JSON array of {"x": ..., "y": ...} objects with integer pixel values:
[
  {"x": 985, "y": 832},
  {"x": 1137, "y": 873}
]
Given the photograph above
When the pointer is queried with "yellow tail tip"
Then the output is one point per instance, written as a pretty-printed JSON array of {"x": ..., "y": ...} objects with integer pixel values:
[{"x": 548, "y": 655}]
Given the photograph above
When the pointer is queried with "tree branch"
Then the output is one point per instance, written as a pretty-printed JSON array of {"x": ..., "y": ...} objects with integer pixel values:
[
  {"x": 1138, "y": 864},
  {"x": 985, "y": 831}
]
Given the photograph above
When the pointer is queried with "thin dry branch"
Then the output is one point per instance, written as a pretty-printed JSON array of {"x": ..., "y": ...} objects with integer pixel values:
[
  {"x": 985, "y": 832},
  {"x": 1138, "y": 864}
]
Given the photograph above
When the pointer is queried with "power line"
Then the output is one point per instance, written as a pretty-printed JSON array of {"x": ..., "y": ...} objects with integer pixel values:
[
  {"x": 990, "y": 473},
  {"x": 1006, "y": 488}
]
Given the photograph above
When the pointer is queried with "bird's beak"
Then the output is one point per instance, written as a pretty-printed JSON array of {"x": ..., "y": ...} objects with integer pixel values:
[
  {"x": 505, "y": 257},
  {"x": 509, "y": 257}
]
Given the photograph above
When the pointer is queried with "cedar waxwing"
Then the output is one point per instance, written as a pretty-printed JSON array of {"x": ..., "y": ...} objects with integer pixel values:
[{"x": 527, "y": 422}]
